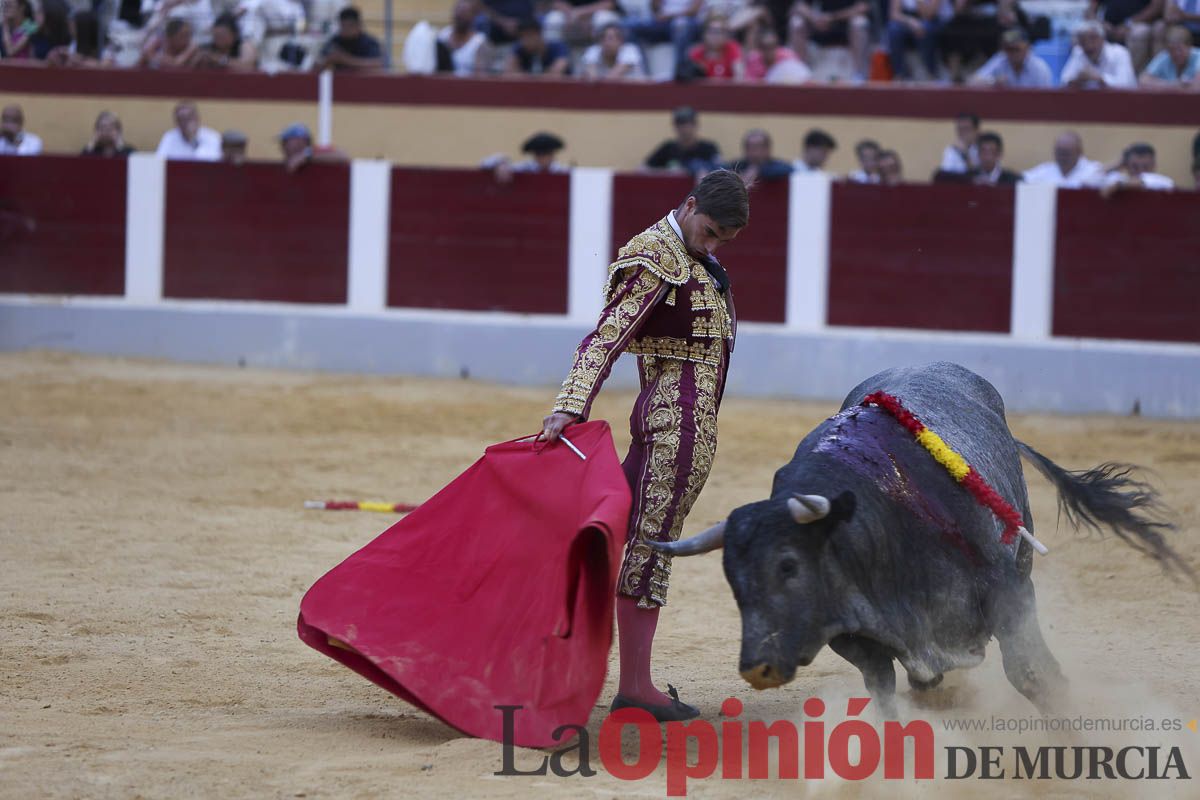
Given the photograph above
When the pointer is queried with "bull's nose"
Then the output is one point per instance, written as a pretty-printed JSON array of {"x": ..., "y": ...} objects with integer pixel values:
[{"x": 763, "y": 676}]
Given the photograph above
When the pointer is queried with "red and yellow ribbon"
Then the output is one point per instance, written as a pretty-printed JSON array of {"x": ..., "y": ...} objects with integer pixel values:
[
  {"x": 358, "y": 505},
  {"x": 955, "y": 464}
]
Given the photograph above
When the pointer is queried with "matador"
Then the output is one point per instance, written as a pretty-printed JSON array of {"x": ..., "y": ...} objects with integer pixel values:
[{"x": 668, "y": 300}]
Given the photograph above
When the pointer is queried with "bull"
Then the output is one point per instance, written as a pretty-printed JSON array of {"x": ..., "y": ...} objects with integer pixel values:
[{"x": 868, "y": 545}]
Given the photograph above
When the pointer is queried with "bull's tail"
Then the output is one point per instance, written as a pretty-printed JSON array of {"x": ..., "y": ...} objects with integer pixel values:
[{"x": 1109, "y": 496}]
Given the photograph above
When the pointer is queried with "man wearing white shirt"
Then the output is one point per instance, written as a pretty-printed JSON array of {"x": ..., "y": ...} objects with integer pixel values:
[
  {"x": 612, "y": 58},
  {"x": 1097, "y": 64},
  {"x": 1069, "y": 169},
  {"x": 1138, "y": 162},
  {"x": 963, "y": 155},
  {"x": 197, "y": 13},
  {"x": 14, "y": 139},
  {"x": 258, "y": 19},
  {"x": 188, "y": 141}
]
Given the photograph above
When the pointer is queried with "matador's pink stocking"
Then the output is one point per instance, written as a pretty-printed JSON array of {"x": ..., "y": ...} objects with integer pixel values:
[{"x": 635, "y": 633}]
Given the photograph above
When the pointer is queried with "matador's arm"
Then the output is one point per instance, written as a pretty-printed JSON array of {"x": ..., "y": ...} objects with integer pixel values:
[{"x": 635, "y": 291}]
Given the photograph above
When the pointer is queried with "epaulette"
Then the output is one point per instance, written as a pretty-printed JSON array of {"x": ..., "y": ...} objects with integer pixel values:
[{"x": 658, "y": 250}]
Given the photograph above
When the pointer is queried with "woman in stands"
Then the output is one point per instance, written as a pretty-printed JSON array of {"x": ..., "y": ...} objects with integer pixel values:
[
  {"x": 227, "y": 50},
  {"x": 17, "y": 28}
]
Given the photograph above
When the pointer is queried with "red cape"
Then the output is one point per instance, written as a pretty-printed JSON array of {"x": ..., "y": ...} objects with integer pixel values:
[{"x": 496, "y": 591}]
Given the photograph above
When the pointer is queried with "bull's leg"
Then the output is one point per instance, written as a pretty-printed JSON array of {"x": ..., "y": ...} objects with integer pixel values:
[
  {"x": 875, "y": 664},
  {"x": 1030, "y": 666}
]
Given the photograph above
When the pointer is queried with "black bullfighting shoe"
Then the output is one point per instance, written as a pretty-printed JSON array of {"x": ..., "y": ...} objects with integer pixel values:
[{"x": 674, "y": 711}]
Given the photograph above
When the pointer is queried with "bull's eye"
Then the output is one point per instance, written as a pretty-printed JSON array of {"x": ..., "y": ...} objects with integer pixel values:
[{"x": 788, "y": 567}]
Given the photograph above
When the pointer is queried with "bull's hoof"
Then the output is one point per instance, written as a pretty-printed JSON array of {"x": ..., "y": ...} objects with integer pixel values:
[{"x": 919, "y": 685}]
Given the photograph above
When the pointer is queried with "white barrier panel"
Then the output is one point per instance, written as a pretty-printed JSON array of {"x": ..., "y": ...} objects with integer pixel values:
[
  {"x": 589, "y": 241},
  {"x": 809, "y": 200},
  {"x": 1035, "y": 224},
  {"x": 370, "y": 211},
  {"x": 145, "y": 207}
]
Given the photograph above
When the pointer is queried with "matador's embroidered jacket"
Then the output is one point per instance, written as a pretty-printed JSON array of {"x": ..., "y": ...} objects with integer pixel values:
[{"x": 663, "y": 305}]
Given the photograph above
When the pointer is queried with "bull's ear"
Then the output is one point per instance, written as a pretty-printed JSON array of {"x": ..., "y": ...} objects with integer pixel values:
[{"x": 842, "y": 508}]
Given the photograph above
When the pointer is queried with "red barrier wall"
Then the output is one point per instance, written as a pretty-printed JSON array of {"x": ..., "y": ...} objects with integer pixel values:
[
  {"x": 256, "y": 232},
  {"x": 757, "y": 259},
  {"x": 459, "y": 239},
  {"x": 1128, "y": 267},
  {"x": 62, "y": 225},
  {"x": 934, "y": 257}
]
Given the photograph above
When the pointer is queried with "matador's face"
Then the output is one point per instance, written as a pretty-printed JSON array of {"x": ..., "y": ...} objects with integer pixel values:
[{"x": 701, "y": 233}]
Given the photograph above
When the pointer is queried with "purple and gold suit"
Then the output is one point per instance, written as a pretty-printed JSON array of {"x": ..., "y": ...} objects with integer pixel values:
[{"x": 664, "y": 306}]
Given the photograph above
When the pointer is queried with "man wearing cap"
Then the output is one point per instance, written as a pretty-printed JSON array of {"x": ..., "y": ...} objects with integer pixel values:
[
  {"x": 296, "y": 144},
  {"x": 669, "y": 301},
  {"x": 233, "y": 147},
  {"x": 1015, "y": 65},
  {"x": 541, "y": 146},
  {"x": 687, "y": 151},
  {"x": 189, "y": 140}
]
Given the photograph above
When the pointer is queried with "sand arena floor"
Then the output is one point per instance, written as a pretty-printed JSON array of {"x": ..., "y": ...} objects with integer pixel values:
[{"x": 155, "y": 552}]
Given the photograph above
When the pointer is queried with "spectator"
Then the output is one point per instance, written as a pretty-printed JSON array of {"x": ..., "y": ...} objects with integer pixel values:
[
  {"x": 612, "y": 58},
  {"x": 352, "y": 49},
  {"x": 991, "y": 171},
  {"x": 963, "y": 155},
  {"x": 233, "y": 147},
  {"x": 687, "y": 151},
  {"x": 1095, "y": 63},
  {"x": 1129, "y": 22},
  {"x": 17, "y": 29},
  {"x": 891, "y": 171},
  {"x": 841, "y": 23},
  {"x": 1177, "y": 12},
  {"x": 769, "y": 61},
  {"x": 817, "y": 146},
  {"x": 533, "y": 55},
  {"x": 55, "y": 29},
  {"x": 1015, "y": 65},
  {"x": 227, "y": 51},
  {"x": 188, "y": 140},
  {"x": 1177, "y": 65},
  {"x": 1069, "y": 169},
  {"x": 258, "y": 19},
  {"x": 974, "y": 30},
  {"x": 14, "y": 139},
  {"x": 576, "y": 21},
  {"x": 499, "y": 19},
  {"x": 463, "y": 43},
  {"x": 674, "y": 21},
  {"x": 756, "y": 162},
  {"x": 108, "y": 138},
  {"x": 85, "y": 50},
  {"x": 197, "y": 13},
  {"x": 543, "y": 149},
  {"x": 173, "y": 48},
  {"x": 867, "y": 153},
  {"x": 295, "y": 142},
  {"x": 718, "y": 55},
  {"x": 916, "y": 23},
  {"x": 1137, "y": 172}
]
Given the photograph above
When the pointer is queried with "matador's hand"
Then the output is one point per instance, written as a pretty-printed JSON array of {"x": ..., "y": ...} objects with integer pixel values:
[{"x": 554, "y": 424}]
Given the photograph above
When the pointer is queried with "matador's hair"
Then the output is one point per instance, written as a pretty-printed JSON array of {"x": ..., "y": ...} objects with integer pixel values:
[{"x": 722, "y": 195}]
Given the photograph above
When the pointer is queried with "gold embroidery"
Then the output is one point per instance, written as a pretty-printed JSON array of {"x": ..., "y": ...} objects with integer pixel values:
[
  {"x": 706, "y": 326},
  {"x": 703, "y": 300},
  {"x": 604, "y": 345},
  {"x": 664, "y": 419},
  {"x": 659, "y": 250},
  {"x": 711, "y": 352}
]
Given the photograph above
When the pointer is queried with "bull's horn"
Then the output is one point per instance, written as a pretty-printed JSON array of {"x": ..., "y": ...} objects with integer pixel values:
[
  {"x": 711, "y": 539},
  {"x": 808, "y": 507}
]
